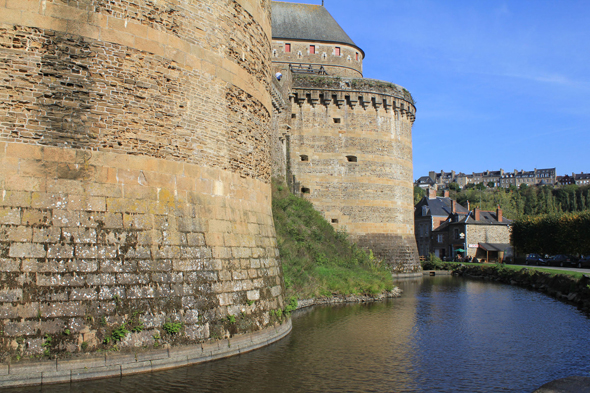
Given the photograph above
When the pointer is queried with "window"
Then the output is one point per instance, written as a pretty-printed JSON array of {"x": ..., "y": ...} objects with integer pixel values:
[
  {"x": 337, "y": 120},
  {"x": 304, "y": 157},
  {"x": 439, "y": 238},
  {"x": 337, "y": 51},
  {"x": 311, "y": 49},
  {"x": 287, "y": 48},
  {"x": 351, "y": 158},
  {"x": 357, "y": 56},
  {"x": 305, "y": 190},
  {"x": 334, "y": 221},
  {"x": 293, "y": 115}
]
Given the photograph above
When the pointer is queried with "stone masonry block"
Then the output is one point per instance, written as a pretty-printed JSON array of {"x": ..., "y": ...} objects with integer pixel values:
[
  {"x": 221, "y": 252},
  {"x": 27, "y": 250},
  {"x": 161, "y": 265},
  {"x": 253, "y": 295},
  {"x": 16, "y": 199},
  {"x": 186, "y": 265},
  {"x": 139, "y": 252},
  {"x": 46, "y": 235},
  {"x": 10, "y": 216},
  {"x": 118, "y": 266},
  {"x": 43, "y": 200},
  {"x": 140, "y": 292},
  {"x": 84, "y": 251},
  {"x": 11, "y": 295},
  {"x": 107, "y": 293},
  {"x": 83, "y": 294},
  {"x": 101, "y": 279},
  {"x": 65, "y": 309},
  {"x": 107, "y": 252},
  {"x": 82, "y": 265},
  {"x": 59, "y": 251},
  {"x": 195, "y": 239},
  {"x": 60, "y": 280},
  {"x": 65, "y": 218},
  {"x": 20, "y": 234},
  {"x": 79, "y": 235},
  {"x": 10, "y": 265},
  {"x": 130, "y": 278},
  {"x": 26, "y": 328},
  {"x": 276, "y": 291},
  {"x": 35, "y": 217},
  {"x": 138, "y": 221}
]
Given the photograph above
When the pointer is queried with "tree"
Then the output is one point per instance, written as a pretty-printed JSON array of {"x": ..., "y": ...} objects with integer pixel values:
[
  {"x": 454, "y": 186},
  {"x": 491, "y": 184},
  {"x": 480, "y": 186},
  {"x": 418, "y": 194}
]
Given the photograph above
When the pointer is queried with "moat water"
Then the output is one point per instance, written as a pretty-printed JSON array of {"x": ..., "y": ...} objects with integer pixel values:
[{"x": 444, "y": 334}]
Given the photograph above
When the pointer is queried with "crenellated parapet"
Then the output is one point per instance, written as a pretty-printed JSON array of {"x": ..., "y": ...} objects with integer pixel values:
[{"x": 366, "y": 93}]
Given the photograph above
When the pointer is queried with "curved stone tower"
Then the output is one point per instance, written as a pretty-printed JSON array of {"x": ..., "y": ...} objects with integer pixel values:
[
  {"x": 349, "y": 138},
  {"x": 135, "y": 170}
]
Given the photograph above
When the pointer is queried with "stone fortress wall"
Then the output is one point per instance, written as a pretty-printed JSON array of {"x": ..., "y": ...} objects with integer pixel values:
[
  {"x": 135, "y": 154},
  {"x": 347, "y": 143},
  {"x": 351, "y": 154}
]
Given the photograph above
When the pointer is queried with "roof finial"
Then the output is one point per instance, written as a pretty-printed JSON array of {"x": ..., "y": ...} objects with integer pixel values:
[{"x": 322, "y": 3}]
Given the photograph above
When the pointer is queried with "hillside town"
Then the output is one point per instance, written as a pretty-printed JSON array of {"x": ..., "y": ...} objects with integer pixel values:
[{"x": 500, "y": 178}]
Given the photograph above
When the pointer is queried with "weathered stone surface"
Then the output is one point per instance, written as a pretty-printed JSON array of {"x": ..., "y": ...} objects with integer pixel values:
[{"x": 134, "y": 155}]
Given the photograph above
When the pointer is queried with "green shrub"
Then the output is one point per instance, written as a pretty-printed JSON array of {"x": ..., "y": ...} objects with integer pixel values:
[{"x": 172, "y": 327}]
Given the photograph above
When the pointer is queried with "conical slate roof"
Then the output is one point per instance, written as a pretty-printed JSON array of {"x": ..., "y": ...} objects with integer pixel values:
[{"x": 306, "y": 22}]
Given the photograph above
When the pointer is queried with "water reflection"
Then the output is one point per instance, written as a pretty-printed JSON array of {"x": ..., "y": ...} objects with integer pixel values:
[{"x": 444, "y": 335}]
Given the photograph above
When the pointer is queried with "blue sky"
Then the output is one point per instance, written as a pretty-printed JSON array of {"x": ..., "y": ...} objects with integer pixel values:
[{"x": 498, "y": 84}]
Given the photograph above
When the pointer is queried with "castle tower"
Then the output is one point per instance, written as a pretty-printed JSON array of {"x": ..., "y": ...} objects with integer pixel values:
[
  {"x": 350, "y": 139},
  {"x": 135, "y": 171}
]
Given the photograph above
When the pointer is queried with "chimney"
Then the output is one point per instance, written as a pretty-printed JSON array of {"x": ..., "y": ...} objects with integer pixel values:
[
  {"x": 499, "y": 214},
  {"x": 476, "y": 214},
  {"x": 431, "y": 193},
  {"x": 468, "y": 205},
  {"x": 453, "y": 207},
  {"x": 446, "y": 193}
]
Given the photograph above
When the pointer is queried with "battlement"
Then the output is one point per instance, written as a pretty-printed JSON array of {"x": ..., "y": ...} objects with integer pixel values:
[{"x": 368, "y": 93}]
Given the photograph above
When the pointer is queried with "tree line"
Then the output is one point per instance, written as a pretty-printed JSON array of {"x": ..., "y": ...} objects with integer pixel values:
[
  {"x": 520, "y": 202},
  {"x": 566, "y": 233}
]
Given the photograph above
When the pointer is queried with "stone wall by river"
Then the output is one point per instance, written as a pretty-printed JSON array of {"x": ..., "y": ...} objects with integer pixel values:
[{"x": 562, "y": 287}]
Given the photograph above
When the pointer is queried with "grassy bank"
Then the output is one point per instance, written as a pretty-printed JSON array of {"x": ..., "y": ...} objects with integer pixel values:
[
  {"x": 433, "y": 263},
  {"x": 317, "y": 260}
]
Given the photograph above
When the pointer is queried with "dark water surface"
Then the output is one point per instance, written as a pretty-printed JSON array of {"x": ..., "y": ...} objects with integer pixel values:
[{"x": 444, "y": 334}]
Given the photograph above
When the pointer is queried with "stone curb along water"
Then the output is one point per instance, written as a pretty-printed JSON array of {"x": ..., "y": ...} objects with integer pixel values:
[
  {"x": 339, "y": 299},
  {"x": 561, "y": 287},
  {"x": 120, "y": 364}
]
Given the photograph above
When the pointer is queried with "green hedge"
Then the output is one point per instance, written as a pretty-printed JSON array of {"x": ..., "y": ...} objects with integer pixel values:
[{"x": 567, "y": 233}]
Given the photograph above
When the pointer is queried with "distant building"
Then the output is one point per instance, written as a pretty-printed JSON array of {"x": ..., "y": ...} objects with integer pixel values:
[
  {"x": 500, "y": 178},
  {"x": 581, "y": 179},
  {"x": 429, "y": 214},
  {"x": 445, "y": 228},
  {"x": 530, "y": 178},
  {"x": 481, "y": 234},
  {"x": 425, "y": 182},
  {"x": 565, "y": 180}
]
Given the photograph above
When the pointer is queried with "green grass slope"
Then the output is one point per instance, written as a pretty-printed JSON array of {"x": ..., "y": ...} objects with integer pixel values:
[{"x": 317, "y": 260}]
